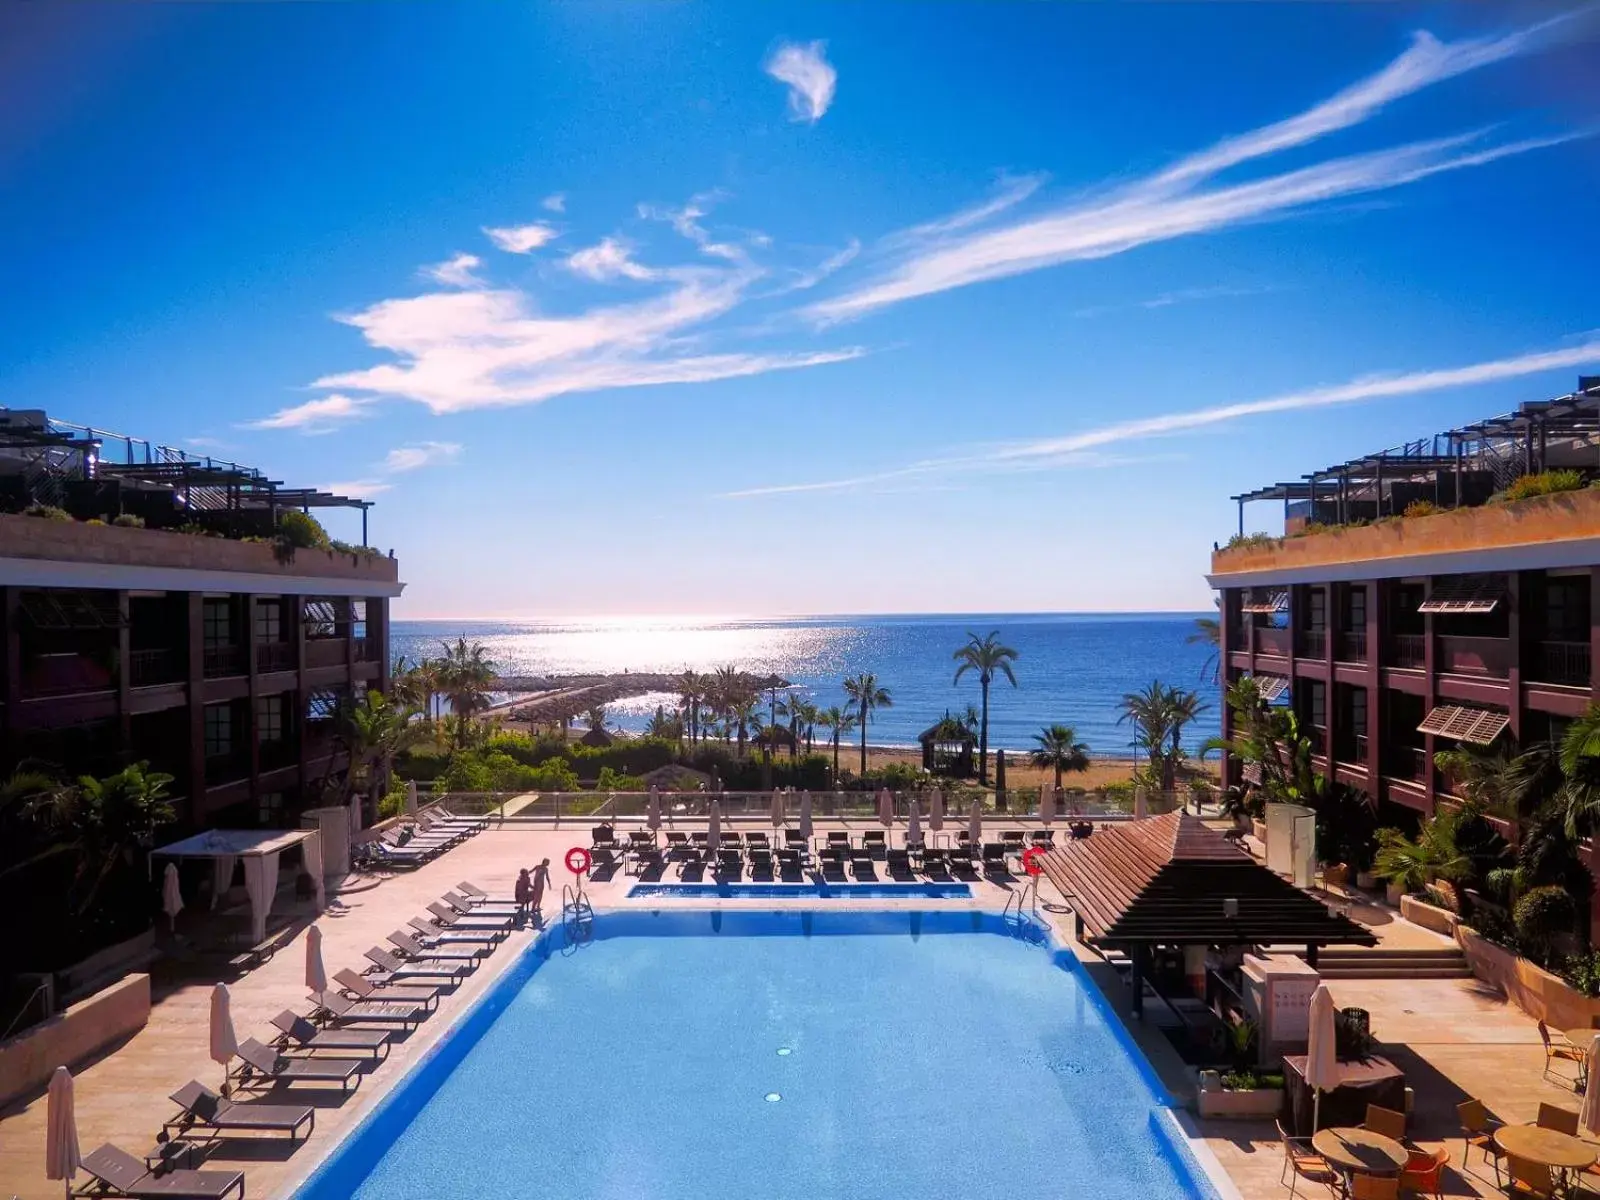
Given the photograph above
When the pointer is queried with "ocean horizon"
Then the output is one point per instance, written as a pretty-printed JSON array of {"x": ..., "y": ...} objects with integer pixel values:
[{"x": 1072, "y": 668}]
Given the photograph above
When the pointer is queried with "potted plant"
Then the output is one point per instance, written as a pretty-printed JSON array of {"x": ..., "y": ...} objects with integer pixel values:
[{"x": 1407, "y": 866}]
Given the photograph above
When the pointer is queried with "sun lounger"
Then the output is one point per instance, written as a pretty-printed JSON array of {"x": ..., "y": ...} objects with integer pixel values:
[
  {"x": 646, "y": 858},
  {"x": 118, "y": 1173},
  {"x": 677, "y": 844},
  {"x": 604, "y": 860},
  {"x": 456, "y": 818},
  {"x": 838, "y": 837},
  {"x": 936, "y": 863},
  {"x": 391, "y": 966},
  {"x": 338, "y": 1009},
  {"x": 364, "y": 987},
  {"x": 790, "y": 865},
  {"x": 432, "y": 933},
  {"x": 731, "y": 837},
  {"x": 417, "y": 841},
  {"x": 757, "y": 840},
  {"x": 416, "y": 951},
  {"x": 603, "y": 837},
  {"x": 264, "y": 1064},
  {"x": 796, "y": 840},
  {"x": 994, "y": 858},
  {"x": 729, "y": 863},
  {"x": 298, "y": 1033},
  {"x": 833, "y": 859},
  {"x": 385, "y": 855},
  {"x": 202, "y": 1108},
  {"x": 480, "y": 921},
  {"x": 502, "y": 910},
  {"x": 899, "y": 864},
  {"x": 476, "y": 895},
  {"x": 641, "y": 839},
  {"x": 874, "y": 840}
]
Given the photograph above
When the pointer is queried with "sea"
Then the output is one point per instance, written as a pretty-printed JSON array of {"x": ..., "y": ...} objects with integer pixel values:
[{"x": 1071, "y": 668}]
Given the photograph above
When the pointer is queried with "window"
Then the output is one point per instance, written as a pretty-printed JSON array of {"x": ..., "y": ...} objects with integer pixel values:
[
  {"x": 1317, "y": 609},
  {"x": 358, "y": 618},
  {"x": 217, "y": 620},
  {"x": 1317, "y": 702},
  {"x": 269, "y": 621},
  {"x": 1355, "y": 606},
  {"x": 269, "y": 718},
  {"x": 1566, "y": 614},
  {"x": 269, "y": 810},
  {"x": 219, "y": 730},
  {"x": 1358, "y": 711}
]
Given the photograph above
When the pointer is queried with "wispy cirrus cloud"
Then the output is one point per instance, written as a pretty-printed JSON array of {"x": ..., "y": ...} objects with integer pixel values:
[
  {"x": 1051, "y": 453},
  {"x": 424, "y": 454},
  {"x": 810, "y": 77},
  {"x": 521, "y": 239},
  {"x": 1177, "y": 296},
  {"x": 1188, "y": 197},
  {"x": 321, "y": 415},
  {"x": 555, "y": 202},
  {"x": 456, "y": 271}
]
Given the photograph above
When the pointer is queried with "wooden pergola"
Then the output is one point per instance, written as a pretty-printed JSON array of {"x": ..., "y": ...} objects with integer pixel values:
[{"x": 1174, "y": 881}]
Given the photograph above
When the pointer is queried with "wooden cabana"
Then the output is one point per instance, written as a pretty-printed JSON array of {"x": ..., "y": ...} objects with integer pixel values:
[
  {"x": 947, "y": 748},
  {"x": 1173, "y": 881}
]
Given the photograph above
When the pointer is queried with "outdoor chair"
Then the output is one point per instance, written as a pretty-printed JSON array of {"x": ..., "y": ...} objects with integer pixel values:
[
  {"x": 603, "y": 837},
  {"x": 760, "y": 862},
  {"x": 1529, "y": 1179},
  {"x": 899, "y": 864},
  {"x": 416, "y": 951},
  {"x": 298, "y": 1033},
  {"x": 994, "y": 858},
  {"x": 433, "y": 934},
  {"x": 338, "y": 1009},
  {"x": 1424, "y": 1172},
  {"x": 1300, "y": 1161},
  {"x": 874, "y": 840},
  {"x": 1558, "y": 1051},
  {"x": 118, "y": 1173},
  {"x": 1562, "y": 1120},
  {"x": 201, "y": 1107},
  {"x": 1477, "y": 1130},
  {"x": 757, "y": 841},
  {"x": 1386, "y": 1121},
  {"x": 481, "y": 910},
  {"x": 476, "y": 895},
  {"x": 361, "y": 987},
  {"x": 388, "y": 966},
  {"x": 1374, "y": 1187},
  {"x": 263, "y": 1064}
]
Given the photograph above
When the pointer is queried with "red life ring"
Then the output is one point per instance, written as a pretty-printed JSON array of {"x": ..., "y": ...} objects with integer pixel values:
[
  {"x": 578, "y": 860},
  {"x": 1030, "y": 860}
]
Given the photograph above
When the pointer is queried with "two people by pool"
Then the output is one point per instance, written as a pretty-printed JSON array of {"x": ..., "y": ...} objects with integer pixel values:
[{"x": 530, "y": 890}]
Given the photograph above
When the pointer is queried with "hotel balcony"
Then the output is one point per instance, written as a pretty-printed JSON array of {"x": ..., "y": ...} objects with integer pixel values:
[
  {"x": 1351, "y": 749},
  {"x": 227, "y": 768},
  {"x": 1562, "y": 662},
  {"x": 366, "y": 649},
  {"x": 1313, "y": 643},
  {"x": 1351, "y": 647},
  {"x": 147, "y": 668},
  {"x": 325, "y": 652},
  {"x": 222, "y": 661},
  {"x": 1404, "y": 762},
  {"x": 1488, "y": 656},
  {"x": 274, "y": 656},
  {"x": 1272, "y": 642},
  {"x": 1408, "y": 650}
]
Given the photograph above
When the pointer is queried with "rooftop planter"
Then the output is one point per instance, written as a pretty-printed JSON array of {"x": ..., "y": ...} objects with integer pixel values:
[
  {"x": 114, "y": 545},
  {"x": 1564, "y": 516}
]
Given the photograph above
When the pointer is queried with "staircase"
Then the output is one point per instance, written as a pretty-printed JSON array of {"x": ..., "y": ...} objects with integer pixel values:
[{"x": 1357, "y": 963}]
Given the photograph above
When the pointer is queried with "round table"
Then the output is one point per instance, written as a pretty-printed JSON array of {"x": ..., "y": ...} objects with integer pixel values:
[
  {"x": 1580, "y": 1037},
  {"x": 1360, "y": 1150},
  {"x": 1547, "y": 1146}
]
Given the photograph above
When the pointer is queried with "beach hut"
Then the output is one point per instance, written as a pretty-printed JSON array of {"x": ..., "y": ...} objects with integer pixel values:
[
  {"x": 597, "y": 737},
  {"x": 948, "y": 748}
]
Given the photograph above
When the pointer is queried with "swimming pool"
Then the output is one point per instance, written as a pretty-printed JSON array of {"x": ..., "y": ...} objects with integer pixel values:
[
  {"x": 801, "y": 891},
  {"x": 791, "y": 1055}
]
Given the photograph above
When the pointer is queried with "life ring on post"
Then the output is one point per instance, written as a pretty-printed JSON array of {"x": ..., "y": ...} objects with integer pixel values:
[
  {"x": 1031, "y": 860},
  {"x": 579, "y": 860}
]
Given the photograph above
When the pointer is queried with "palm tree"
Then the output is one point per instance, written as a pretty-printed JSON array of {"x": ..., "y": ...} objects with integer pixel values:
[
  {"x": 1579, "y": 793},
  {"x": 1059, "y": 750},
  {"x": 595, "y": 716},
  {"x": 1207, "y": 631},
  {"x": 1150, "y": 713},
  {"x": 1182, "y": 708},
  {"x": 691, "y": 695},
  {"x": 466, "y": 673},
  {"x": 986, "y": 656},
  {"x": 744, "y": 712},
  {"x": 866, "y": 697},
  {"x": 373, "y": 730},
  {"x": 660, "y": 725},
  {"x": 837, "y": 721}
]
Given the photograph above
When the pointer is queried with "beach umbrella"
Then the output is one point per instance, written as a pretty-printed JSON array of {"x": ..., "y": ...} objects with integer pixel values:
[
  {"x": 885, "y": 807},
  {"x": 805, "y": 814},
  {"x": 61, "y": 1158},
  {"x": 936, "y": 810},
  {"x": 171, "y": 897},
  {"x": 975, "y": 821},
  {"x": 779, "y": 816},
  {"x": 1589, "y": 1114},
  {"x": 1047, "y": 803},
  {"x": 652, "y": 816},
  {"x": 411, "y": 797},
  {"x": 913, "y": 822},
  {"x": 316, "y": 973},
  {"x": 714, "y": 827},
  {"x": 224, "y": 1045},
  {"x": 1322, "y": 1056}
]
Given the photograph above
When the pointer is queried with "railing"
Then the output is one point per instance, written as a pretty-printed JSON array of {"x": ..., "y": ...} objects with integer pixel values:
[
  {"x": 1564, "y": 662},
  {"x": 227, "y": 768},
  {"x": 366, "y": 649},
  {"x": 274, "y": 656},
  {"x": 325, "y": 652},
  {"x": 1404, "y": 762},
  {"x": 1273, "y": 642},
  {"x": 1313, "y": 643},
  {"x": 275, "y": 754},
  {"x": 1351, "y": 647},
  {"x": 224, "y": 660},
  {"x": 1474, "y": 655},
  {"x": 1351, "y": 749},
  {"x": 149, "y": 667},
  {"x": 1409, "y": 650}
]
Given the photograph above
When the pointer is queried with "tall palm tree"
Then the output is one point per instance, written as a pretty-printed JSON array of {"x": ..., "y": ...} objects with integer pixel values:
[
  {"x": 1182, "y": 709},
  {"x": 1059, "y": 750},
  {"x": 373, "y": 730},
  {"x": 988, "y": 657},
  {"x": 466, "y": 673},
  {"x": 1150, "y": 713},
  {"x": 692, "y": 688},
  {"x": 837, "y": 721},
  {"x": 744, "y": 712},
  {"x": 1578, "y": 796},
  {"x": 866, "y": 697},
  {"x": 1207, "y": 632}
]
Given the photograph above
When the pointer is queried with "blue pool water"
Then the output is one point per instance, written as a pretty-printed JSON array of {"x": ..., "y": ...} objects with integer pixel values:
[
  {"x": 801, "y": 891},
  {"x": 781, "y": 1055}
]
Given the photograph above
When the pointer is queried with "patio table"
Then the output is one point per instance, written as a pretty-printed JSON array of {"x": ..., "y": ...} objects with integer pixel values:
[
  {"x": 1549, "y": 1147},
  {"x": 1360, "y": 1150}
]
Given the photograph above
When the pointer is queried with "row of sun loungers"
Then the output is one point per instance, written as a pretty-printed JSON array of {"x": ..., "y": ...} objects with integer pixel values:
[
  {"x": 347, "y": 1032},
  {"x": 434, "y": 832}
]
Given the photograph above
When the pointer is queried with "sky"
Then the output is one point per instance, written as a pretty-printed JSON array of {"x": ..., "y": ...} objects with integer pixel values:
[{"x": 647, "y": 309}]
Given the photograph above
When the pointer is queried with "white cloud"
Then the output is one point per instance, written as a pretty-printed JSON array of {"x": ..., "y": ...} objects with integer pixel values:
[
  {"x": 521, "y": 239},
  {"x": 317, "y": 416},
  {"x": 455, "y": 272},
  {"x": 1187, "y": 197},
  {"x": 1174, "y": 297},
  {"x": 1055, "y": 452},
  {"x": 356, "y": 489},
  {"x": 810, "y": 77},
  {"x": 424, "y": 454},
  {"x": 555, "y": 202},
  {"x": 610, "y": 258}
]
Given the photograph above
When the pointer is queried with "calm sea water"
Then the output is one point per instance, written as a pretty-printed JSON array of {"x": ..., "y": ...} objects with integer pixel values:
[{"x": 1072, "y": 668}]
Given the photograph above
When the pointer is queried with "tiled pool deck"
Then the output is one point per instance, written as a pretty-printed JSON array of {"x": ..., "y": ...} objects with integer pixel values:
[{"x": 1453, "y": 1038}]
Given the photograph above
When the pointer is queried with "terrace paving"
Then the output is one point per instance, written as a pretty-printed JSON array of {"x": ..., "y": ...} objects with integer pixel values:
[{"x": 1454, "y": 1038}]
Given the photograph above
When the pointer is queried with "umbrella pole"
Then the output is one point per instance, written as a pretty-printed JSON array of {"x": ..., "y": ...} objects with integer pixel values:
[{"x": 1316, "y": 1108}]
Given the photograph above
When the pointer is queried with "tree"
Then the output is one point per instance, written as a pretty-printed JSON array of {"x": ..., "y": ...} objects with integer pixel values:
[
  {"x": 837, "y": 721},
  {"x": 986, "y": 656},
  {"x": 692, "y": 690},
  {"x": 661, "y": 725},
  {"x": 466, "y": 673},
  {"x": 1207, "y": 632},
  {"x": 866, "y": 697},
  {"x": 373, "y": 730},
  {"x": 1151, "y": 715},
  {"x": 1579, "y": 793},
  {"x": 743, "y": 712},
  {"x": 1182, "y": 708},
  {"x": 1059, "y": 750}
]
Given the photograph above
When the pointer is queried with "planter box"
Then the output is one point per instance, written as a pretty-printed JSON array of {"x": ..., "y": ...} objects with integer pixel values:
[
  {"x": 1258, "y": 830},
  {"x": 1258, "y": 1103},
  {"x": 1534, "y": 990},
  {"x": 106, "y": 966},
  {"x": 1429, "y": 916},
  {"x": 27, "y": 1061}
]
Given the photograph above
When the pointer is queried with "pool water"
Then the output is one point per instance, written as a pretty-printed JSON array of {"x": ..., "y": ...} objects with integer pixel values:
[
  {"x": 801, "y": 891},
  {"x": 790, "y": 1056}
]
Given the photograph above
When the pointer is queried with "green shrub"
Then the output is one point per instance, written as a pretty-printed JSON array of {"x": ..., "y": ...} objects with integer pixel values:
[
  {"x": 1582, "y": 971},
  {"x": 48, "y": 512},
  {"x": 1422, "y": 508},
  {"x": 1545, "y": 483},
  {"x": 393, "y": 802},
  {"x": 1543, "y": 914},
  {"x": 94, "y": 521},
  {"x": 127, "y": 521},
  {"x": 349, "y": 548},
  {"x": 615, "y": 781},
  {"x": 302, "y": 531},
  {"x": 1250, "y": 539}
]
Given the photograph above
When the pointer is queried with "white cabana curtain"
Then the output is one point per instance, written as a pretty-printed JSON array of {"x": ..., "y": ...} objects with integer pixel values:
[
  {"x": 261, "y": 882},
  {"x": 313, "y": 852},
  {"x": 221, "y": 876}
]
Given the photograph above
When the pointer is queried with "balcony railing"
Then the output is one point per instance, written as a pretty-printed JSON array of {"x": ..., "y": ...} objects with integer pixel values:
[
  {"x": 1273, "y": 642},
  {"x": 146, "y": 668},
  {"x": 1404, "y": 762},
  {"x": 224, "y": 660},
  {"x": 278, "y": 753},
  {"x": 1474, "y": 656},
  {"x": 1409, "y": 650},
  {"x": 325, "y": 652},
  {"x": 227, "y": 768},
  {"x": 274, "y": 656},
  {"x": 1314, "y": 643},
  {"x": 366, "y": 649},
  {"x": 1564, "y": 662},
  {"x": 1352, "y": 647},
  {"x": 1351, "y": 749}
]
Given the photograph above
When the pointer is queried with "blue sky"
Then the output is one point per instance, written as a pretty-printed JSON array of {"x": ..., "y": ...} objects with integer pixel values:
[{"x": 754, "y": 309}]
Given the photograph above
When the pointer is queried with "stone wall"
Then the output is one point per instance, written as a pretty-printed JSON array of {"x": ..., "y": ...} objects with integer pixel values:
[
  {"x": 27, "y": 1060},
  {"x": 1541, "y": 995}
]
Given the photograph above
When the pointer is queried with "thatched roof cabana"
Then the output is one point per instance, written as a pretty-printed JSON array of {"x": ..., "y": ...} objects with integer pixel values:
[
  {"x": 947, "y": 747},
  {"x": 597, "y": 737}
]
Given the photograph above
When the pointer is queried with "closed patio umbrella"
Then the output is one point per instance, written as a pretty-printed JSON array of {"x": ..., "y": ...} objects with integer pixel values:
[
  {"x": 779, "y": 817},
  {"x": 714, "y": 827},
  {"x": 1047, "y": 803},
  {"x": 316, "y": 973},
  {"x": 1322, "y": 1056},
  {"x": 61, "y": 1158},
  {"x": 171, "y": 896},
  {"x": 805, "y": 814},
  {"x": 1589, "y": 1114},
  {"x": 652, "y": 816},
  {"x": 975, "y": 821},
  {"x": 913, "y": 822},
  {"x": 411, "y": 797},
  {"x": 885, "y": 807},
  {"x": 936, "y": 810},
  {"x": 224, "y": 1045}
]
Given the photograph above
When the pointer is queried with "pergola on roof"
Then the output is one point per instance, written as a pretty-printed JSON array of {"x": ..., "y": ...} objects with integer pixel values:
[{"x": 1171, "y": 880}]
